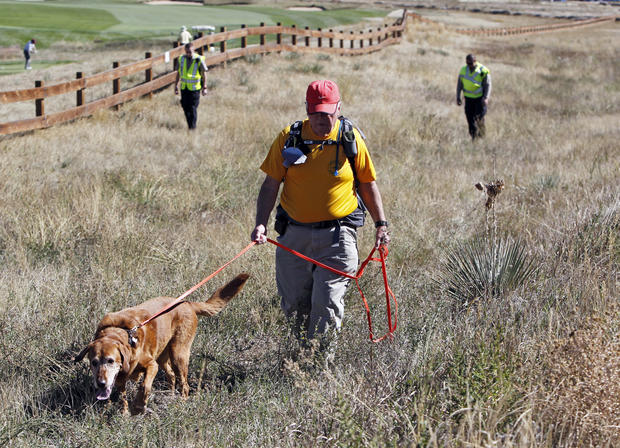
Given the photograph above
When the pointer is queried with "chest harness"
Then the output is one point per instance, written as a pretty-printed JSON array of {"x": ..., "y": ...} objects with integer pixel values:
[
  {"x": 345, "y": 138},
  {"x": 295, "y": 151}
]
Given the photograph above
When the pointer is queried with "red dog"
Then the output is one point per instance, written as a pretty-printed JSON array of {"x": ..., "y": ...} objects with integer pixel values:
[{"x": 164, "y": 342}]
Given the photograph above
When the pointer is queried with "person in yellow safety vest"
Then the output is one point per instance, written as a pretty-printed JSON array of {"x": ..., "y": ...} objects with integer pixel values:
[
  {"x": 475, "y": 82},
  {"x": 192, "y": 80}
]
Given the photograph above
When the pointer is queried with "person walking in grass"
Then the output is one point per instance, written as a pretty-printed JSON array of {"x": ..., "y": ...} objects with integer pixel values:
[
  {"x": 184, "y": 36},
  {"x": 319, "y": 210},
  {"x": 191, "y": 79},
  {"x": 475, "y": 82},
  {"x": 29, "y": 49}
]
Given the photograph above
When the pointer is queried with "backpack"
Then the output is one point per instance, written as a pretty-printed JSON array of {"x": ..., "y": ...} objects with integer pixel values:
[{"x": 346, "y": 138}]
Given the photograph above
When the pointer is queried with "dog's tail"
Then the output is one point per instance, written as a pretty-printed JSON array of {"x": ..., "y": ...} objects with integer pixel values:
[{"x": 221, "y": 297}]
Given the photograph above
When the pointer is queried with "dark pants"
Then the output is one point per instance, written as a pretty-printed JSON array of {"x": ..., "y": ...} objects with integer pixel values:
[
  {"x": 190, "y": 100},
  {"x": 27, "y": 56},
  {"x": 475, "y": 111}
]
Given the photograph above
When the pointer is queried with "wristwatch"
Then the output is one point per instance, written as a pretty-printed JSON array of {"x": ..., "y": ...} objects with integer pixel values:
[{"x": 381, "y": 223}]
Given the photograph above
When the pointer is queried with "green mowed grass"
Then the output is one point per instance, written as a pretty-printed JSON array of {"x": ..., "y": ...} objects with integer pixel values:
[
  {"x": 12, "y": 67},
  {"x": 20, "y": 22},
  {"x": 42, "y": 16},
  {"x": 124, "y": 20}
]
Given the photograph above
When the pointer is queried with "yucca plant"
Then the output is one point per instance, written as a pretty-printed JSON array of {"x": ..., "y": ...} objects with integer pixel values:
[{"x": 484, "y": 269}]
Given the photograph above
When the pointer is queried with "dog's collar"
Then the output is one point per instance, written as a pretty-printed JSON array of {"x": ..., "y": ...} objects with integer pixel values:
[{"x": 132, "y": 335}]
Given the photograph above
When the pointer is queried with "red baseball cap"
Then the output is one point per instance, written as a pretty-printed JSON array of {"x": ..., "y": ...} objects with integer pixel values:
[{"x": 322, "y": 96}]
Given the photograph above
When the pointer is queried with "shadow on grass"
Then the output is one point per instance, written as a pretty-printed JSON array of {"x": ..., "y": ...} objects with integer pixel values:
[{"x": 72, "y": 392}]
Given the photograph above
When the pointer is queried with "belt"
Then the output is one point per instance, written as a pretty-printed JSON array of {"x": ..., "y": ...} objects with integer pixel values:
[
  {"x": 322, "y": 224},
  {"x": 332, "y": 223}
]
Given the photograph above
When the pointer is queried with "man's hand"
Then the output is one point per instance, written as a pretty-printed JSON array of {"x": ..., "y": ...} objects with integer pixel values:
[
  {"x": 485, "y": 101},
  {"x": 204, "y": 92},
  {"x": 176, "y": 89},
  {"x": 382, "y": 236},
  {"x": 259, "y": 234},
  {"x": 459, "y": 101}
]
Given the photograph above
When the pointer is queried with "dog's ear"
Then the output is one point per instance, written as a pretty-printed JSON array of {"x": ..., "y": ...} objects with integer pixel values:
[
  {"x": 124, "y": 356},
  {"x": 81, "y": 355}
]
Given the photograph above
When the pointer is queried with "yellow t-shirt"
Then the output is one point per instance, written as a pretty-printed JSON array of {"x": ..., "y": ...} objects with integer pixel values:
[{"x": 312, "y": 192}]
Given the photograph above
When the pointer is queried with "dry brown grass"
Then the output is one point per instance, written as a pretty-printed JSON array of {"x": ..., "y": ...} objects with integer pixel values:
[
  {"x": 581, "y": 384},
  {"x": 105, "y": 212}
]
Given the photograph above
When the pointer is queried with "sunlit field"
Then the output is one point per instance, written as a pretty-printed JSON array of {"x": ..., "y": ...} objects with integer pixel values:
[{"x": 108, "y": 211}]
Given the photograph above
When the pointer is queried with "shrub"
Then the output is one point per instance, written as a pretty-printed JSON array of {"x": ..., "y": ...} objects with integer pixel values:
[{"x": 482, "y": 269}]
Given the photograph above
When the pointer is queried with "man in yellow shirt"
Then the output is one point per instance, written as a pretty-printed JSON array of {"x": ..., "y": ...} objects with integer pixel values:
[
  {"x": 192, "y": 80},
  {"x": 319, "y": 209},
  {"x": 475, "y": 82}
]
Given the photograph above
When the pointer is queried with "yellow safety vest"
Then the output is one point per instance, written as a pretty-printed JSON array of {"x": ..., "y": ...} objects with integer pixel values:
[
  {"x": 472, "y": 82},
  {"x": 190, "y": 76}
]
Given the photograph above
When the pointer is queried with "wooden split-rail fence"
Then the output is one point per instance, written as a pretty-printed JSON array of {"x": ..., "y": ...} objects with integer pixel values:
[
  {"x": 536, "y": 28},
  {"x": 270, "y": 39}
]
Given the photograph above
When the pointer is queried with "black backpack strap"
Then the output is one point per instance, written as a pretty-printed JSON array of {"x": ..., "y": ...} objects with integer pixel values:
[
  {"x": 294, "y": 138},
  {"x": 346, "y": 137}
]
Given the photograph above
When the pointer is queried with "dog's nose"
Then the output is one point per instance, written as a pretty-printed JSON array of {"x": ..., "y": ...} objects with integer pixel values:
[{"x": 101, "y": 384}]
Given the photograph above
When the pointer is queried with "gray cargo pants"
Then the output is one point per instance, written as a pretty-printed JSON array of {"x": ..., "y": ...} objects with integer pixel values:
[{"x": 312, "y": 295}]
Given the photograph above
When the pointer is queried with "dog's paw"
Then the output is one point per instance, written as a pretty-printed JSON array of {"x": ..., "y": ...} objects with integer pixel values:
[{"x": 137, "y": 409}]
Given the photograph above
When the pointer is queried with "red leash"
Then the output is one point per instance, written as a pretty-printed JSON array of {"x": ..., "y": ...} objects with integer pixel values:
[
  {"x": 383, "y": 251},
  {"x": 181, "y": 298}
]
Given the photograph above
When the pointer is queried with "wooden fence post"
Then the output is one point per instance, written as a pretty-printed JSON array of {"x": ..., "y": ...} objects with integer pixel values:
[
  {"x": 148, "y": 73},
  {"x": 79, "y": 94},
  {"x": 294, "y": 36},
  {"x": 379, "y": 35},
  {"x": 200, "y": 50},
  {"x": 244, "y": 39},
  {"x": 362, "y": 39},
  {"x": 352, "y": 40},
  {"x": 279, "y": 35},
  {"x": 307, "y": 37},
  {"x": 262, "y": 35},
  {"x": 320, "y": 40},
  {"x": 331, "y": 39},
  {"x": 223, "y": 44},
  {"x": 39, "y": 105},
  {"x": 116, "y": 84},
  {"x": 341, "y": 42},
  {"x": 175, "y": 61}
]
